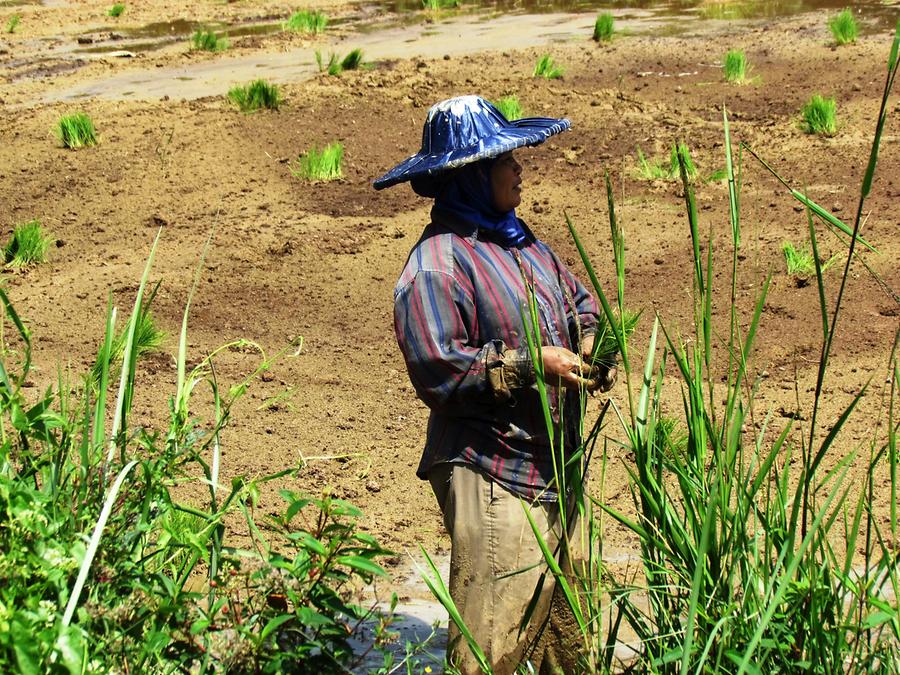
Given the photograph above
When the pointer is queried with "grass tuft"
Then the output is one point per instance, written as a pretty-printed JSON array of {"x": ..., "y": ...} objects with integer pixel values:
[
  {"x": 801, "y": 264},
  {"x": 148, "y": 337},
  {"x": 819, "y": 116},
  {"x": 324, "y": 164},
  {"x": 546, "y": 68},
  {"x": 208, "y": 41},
  {"x": 28, "y": 245},
  {"x": 13, "y": 23},
  {"x": 509, "y": 107},
  {"x": 116, "y": 10},
  {"x": 255, "y": 96},
  {"x": 662, "y": 170},
  {"x": 843, "y": 27},
  {"x": 437, "y": 5},
  {"x": 604, "y": 27},
  {"x": 735, "y": 66},
  {"x": 305, "y": 21},
  {"x": 336, "y": 65},
  {"x": 76, "y": 130}
]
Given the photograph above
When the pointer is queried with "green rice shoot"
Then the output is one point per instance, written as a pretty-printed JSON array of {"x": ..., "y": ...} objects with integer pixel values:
[
  {"x": 659, "y": 169},
  {"x": 316, "y": 164},
  {"x": 437, "y": 5},
  {"x": 27, "y": 246},
  {"x": 76, "y": 130},
  {"x": 208, "y": 41},
  {"x": 255, "y": 96},
  {"x": 305, "y": 21},
  {"x": 690, "y": 167},
  {"x": 546, "y": 68},
  {"x": 843, "y": 27},
  {"x": 148, "y": 337},
  {"x": 734, "y": 66},
  {"x": 605, "y": 343},
  {"x": 336, "y": 65},
  {"x": 13, "y": 23},
  {"x": 509, "y": 107},
  {"x": 604, "y": 27},
  {"x": 819, "y": 116},
  {"x": 353, "y": 60},
  {"x": 801, "y": 264},
  {"x": 116, "y": 10}
]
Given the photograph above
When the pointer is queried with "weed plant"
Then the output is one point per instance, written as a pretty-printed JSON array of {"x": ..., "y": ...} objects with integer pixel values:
[
  {"x": 755, "y": 558},
  {"x": 316, "y": 164},
  {"x": 208, "y": 41},
  {"x": 734, "y": 66},
  {"x": 13, "y": 23},
  {"x": 306, "y": 21},
  {"x": 27, "y": 246},
  {"x": 604, "y": 27},
  {"x": 546, "y": 68},
  {"x": 843, "y": 27},
  {"x": 116, "y": 10},
  {"x": 509, "y": 107},
  {"x": 106, "y": 571},
  {"x": 76, "y": 131},
  {"x": 257, "y": 95},
  {"x": 818, "y": 116}
]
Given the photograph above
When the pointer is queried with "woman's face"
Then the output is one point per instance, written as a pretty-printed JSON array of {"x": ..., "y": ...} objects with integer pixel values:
[{"x": 506, "y": 179}]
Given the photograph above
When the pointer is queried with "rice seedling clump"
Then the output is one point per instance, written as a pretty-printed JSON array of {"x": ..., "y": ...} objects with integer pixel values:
[
  {"x": 336, "y": 65},
  {"x": 603, "y": 27},
  {"x": 437, "y": 5},
  {"x": 734, "y": 66},
  {"x": 666, "y": 170},
  {"x": 208, "y": 41},
  {"x": 76, "y": 130},
  {"x": 819, "y": 116},
  {"x": 116, "y": 10},
  {"x": 843, "y": 27},
  {"x": 545, "y": 67},
  {"x": 27, "y": 246},
  {"x": 13, "y": 23},
  {"x": 324, "y": 164},
  {"x": 305, "y": 21},
  {"x": 509, "y": 107},
  {"x": 256, "y": 95}
]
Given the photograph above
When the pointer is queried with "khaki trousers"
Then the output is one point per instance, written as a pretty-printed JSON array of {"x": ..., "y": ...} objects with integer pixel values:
[{"x": 495, "y": 566}]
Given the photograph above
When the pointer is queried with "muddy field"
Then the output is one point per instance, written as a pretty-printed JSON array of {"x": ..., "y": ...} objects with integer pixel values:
[{"x": 318, "y": 260}]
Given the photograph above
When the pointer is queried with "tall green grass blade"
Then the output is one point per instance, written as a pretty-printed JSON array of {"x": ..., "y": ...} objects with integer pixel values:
[
  {"x": 436, "y": 585},
  {"x": 643, "y": 406},
  {"x": 733, "y": 208},
  {"x": 103, "y": 384},
  {"x": 820, "y": 282},
  {"x": 129, "y": 360},
  {"x": 95, "y": 542}
]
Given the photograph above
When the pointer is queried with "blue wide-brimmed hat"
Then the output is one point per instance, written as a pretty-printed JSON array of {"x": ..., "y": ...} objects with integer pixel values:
[{"x": 468, "y": 129}]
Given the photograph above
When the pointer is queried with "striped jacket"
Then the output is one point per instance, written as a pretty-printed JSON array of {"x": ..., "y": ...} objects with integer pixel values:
[{"x": 458, "y": 308}]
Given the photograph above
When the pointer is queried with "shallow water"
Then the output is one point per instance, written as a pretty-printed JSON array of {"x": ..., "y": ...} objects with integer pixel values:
[{"x": 495, "y": 26}]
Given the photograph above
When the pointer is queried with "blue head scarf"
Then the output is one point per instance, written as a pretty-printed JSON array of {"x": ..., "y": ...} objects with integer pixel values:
[{"x": 467, "y": 194}]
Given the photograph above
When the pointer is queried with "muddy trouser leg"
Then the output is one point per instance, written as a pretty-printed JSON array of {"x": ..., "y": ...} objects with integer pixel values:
[{"x": 491, "y": 540}]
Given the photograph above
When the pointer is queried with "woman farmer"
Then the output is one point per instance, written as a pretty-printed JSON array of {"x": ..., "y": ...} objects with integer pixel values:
[{"x": 458, "y": 308}]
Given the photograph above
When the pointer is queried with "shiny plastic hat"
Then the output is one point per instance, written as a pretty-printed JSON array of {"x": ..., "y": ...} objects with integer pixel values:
[{"x": 468, "y": 129}]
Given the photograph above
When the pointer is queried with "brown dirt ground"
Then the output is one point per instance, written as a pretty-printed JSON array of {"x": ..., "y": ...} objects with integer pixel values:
[{"x": 319, "y": 260}]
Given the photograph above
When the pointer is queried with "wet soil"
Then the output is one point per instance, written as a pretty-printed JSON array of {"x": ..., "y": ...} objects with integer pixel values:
[{"x": 319, "y": 260}]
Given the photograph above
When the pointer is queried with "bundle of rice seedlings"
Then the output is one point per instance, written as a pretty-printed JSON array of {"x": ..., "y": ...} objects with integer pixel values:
[
  {"x": 336, "y": 65},
  {"x": 27, "y": 246},
  {"x": 316, "y": 164},
  {"x": 843, "y": 27},
  {"x": 437, "y": 5},
  {"x": 603, "y": 27},
  {"x": 13, "y": 23},
  {"x": 306, "y": 21},
  {"x": 76, "y": 130},
  {"x": 690, "y": 167},
  {"x": 116, "y": 10},
  {"x": 819, "y": 116},
  {"x": 148, "y": 337},
  {"x": 509, "y": 107},
  {"x": 545, "y": 67},
  {"x": 208, "y": 41},
  {"x": 256, "y": 95},
  {"x": 734, "y": 66}
]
